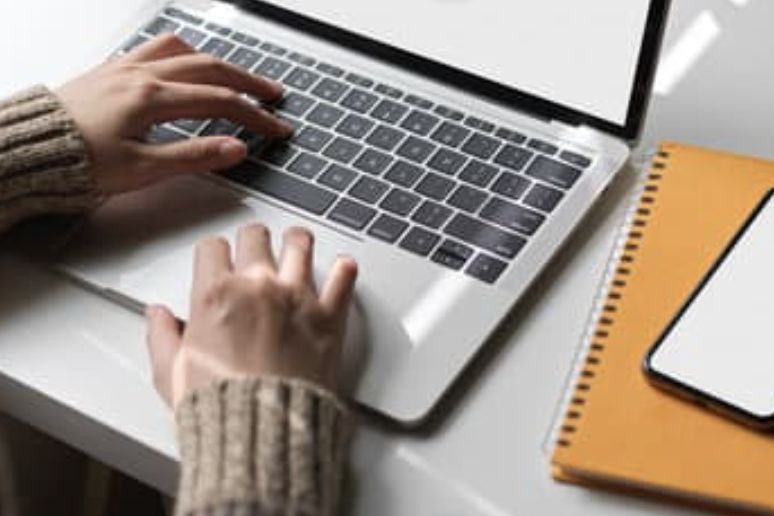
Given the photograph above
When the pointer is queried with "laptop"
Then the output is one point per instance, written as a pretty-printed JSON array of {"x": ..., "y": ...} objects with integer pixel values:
[{"x": 449, "y": 147}]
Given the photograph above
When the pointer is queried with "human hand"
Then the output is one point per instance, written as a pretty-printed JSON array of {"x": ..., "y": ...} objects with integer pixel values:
[
  {"x": 253, "y": 316},
  {"x": 117, "y": 103}
]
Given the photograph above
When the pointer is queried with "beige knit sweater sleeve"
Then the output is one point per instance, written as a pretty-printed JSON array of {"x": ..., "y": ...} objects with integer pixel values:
[{"x": 250, "y": 447}]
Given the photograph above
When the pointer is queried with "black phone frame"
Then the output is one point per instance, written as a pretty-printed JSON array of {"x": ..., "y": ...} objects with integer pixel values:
[{"x": 691, "y": 393}]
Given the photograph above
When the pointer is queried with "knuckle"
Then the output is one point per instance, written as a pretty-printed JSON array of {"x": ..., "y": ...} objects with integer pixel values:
[
  {"x": 227, "y": 95},
  {"x": 216, "y": 292}
]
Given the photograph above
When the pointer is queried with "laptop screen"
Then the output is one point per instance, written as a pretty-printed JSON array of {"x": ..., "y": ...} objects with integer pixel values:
[{"x": 580, "y": 55}]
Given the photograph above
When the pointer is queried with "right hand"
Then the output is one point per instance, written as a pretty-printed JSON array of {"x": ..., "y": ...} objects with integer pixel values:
[{"x": 253, "y": 316}]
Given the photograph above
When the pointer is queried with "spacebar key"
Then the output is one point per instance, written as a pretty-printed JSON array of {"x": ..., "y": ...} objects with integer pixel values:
[
  {"x": 485, "y": 236},
  {"x": 289, "y": 189}
]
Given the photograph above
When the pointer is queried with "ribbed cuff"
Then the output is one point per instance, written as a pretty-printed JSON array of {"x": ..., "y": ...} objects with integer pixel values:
[
  {"x": 275, "y": 446},
  {"x": 44, "y": 162}
]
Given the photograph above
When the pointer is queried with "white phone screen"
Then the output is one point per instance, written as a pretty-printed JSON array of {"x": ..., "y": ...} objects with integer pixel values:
[{"x": 723, "y": 343}]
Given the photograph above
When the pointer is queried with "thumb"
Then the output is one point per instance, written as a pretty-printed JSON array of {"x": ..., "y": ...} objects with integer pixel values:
[
  {"x": 192, "y": 156},
  {"x": 164, "y": 339}
]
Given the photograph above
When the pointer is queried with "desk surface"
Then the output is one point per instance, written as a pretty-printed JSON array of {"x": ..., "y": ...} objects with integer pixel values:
[{"x": 75, "y": 366}]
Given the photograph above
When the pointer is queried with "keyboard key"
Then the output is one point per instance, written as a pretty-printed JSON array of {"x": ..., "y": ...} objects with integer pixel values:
[
  {"x": 404, "y": 173},
  {"x": 388, "y": 91},
  {"x": 287, "y": 188},
  {"x": 301, "y": 59},
  {"x": 221, "y": 127},
  {"x": 301, "y": 78},
  {"x": 387, "y": 228},
  {"x": 452, "y": 254},
  {"x": 511, "y": 185},
  {"x": 541, "y": 146},
  {"x": 510, "y": 135},
  {"x": 431, "y": 214},
  {"x": 295, "y": 104},
  {"x": 359, "y": 100},
  {"x": 174, "y": 12},
  {"x": 511, "y": 216},
  {"x": 482, "y": 125},
  {"x": 279, "y": 154},
  {"x": 544, "y": 198},
  {"x": 133, "y": 43},
  {"x": 219, "y": 29},
  {"x": 478, "y": 173},
  {"x": 330, "y": 69},
  {"x": 352, "y": 214},
  {"x": 161, "y": 26},
  {"x": 343, "y": 150},
  {"x": 373, "y": 162},
  {"x": 272, "y": 68},
  {"x": 385, "y": 137},
  {"x": 486, "y": 268},
  {"x": 189, "y": 125},
  {"x": 400, "y": 202},
  {"x": 245, "y": 39},
  {"x": 575, "y": 159},
  {"x": 418, "y": 102},
  {"x": 369, "y": 190},
  {"x": 355, "y": 126},
  {"x": 416, "y": 150},
  {"x": 435, "y": 186},
  {"x": 192, "y": 36},
  {"x": 218, "y": 47},
  {"x": 485, "y": 236},
  {"x": 447, "y": 112},
  {"x": 450, "y": 134},
  {"x": 162, "y": 134},
  {"x": 337, "y": 177},
  {"x": 307, "y": 165},
  {"x": 467, "y": 198},
  {"x": 419, "y": 122},
  {"x": 481, "y": 146},
  {"x": 389, "y": 111},
  {"x": 273, "y": 49},
  {"x": 312, "y": 138},
  {"x": 244, "y": 58},
  {"x": 359, "y": 80},
  {"x": 447, "y": 161},
  {"x": 553, "y": 172},
  {"x": 330, "y": 90},
  {"x": 419, "y": 241},
  {"x": 514, "y": 158},
  {"x": 325, "y": 115}
]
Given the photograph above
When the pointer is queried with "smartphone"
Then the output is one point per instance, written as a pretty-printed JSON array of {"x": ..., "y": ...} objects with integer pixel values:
[{"x": 719, "y": 349}]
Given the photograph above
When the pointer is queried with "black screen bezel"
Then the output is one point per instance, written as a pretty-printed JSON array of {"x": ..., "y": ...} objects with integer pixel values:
[{"x": 643, "y": 80}]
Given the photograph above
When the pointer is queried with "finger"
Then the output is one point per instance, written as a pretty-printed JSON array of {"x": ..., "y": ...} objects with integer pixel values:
[
  {"x": 208, "y": 70},
  {"x": 175, "y": 101},
  {"x": 254, "y": 248},
  {"x": 154, "y": 162},
  {"x": 212, "y": 261},
  {"x": 160, "y": 47},
  {"x": 296, "y": 258},
  {"x": 339, "y": 288},
  {"x": 163, "y": 341}
]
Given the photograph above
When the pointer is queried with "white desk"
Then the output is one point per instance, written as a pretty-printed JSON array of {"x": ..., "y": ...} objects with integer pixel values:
[{"x": 74, "y": 365}]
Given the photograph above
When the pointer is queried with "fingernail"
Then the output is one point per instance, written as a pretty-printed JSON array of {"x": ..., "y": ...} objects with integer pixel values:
[
  {"x": 230, "y": 148},
  {"x": 286, "y": 129}
]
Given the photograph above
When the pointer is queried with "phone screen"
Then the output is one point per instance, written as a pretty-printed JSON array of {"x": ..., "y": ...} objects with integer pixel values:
[{"x": 721, "y": 345}]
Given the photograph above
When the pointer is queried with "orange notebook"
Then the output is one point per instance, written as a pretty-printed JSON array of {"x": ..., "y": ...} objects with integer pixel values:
[{"x": 618, "y": 429}]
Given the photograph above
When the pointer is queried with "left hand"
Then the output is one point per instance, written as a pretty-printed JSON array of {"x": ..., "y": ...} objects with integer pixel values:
[{"x": 116, "y": 104}]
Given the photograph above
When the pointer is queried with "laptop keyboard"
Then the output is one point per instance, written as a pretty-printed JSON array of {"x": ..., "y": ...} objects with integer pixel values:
[{"x": 454, "y": 188}]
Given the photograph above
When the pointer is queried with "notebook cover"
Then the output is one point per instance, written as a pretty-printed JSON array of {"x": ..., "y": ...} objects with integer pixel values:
[{"x": 618, "y": 428}]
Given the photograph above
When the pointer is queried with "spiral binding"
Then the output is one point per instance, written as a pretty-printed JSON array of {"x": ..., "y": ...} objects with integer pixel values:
[{"x": 619, "y": 268}]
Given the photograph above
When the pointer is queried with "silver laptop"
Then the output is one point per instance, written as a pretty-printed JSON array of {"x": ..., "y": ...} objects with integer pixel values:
[{"x": 450, "y": 147}]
